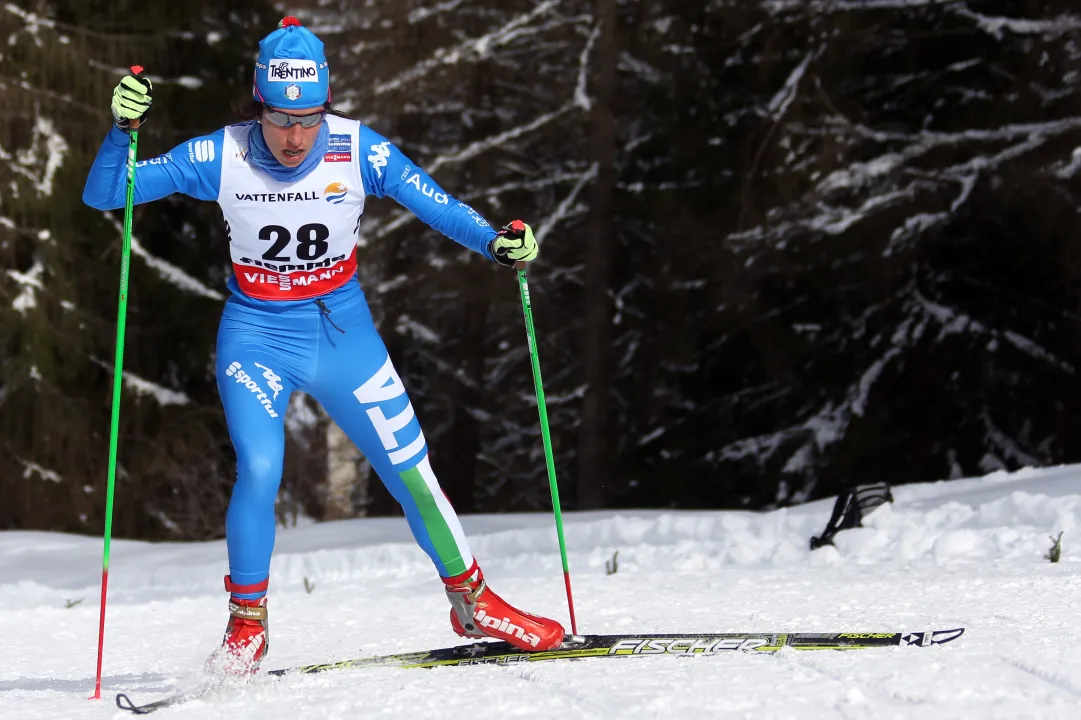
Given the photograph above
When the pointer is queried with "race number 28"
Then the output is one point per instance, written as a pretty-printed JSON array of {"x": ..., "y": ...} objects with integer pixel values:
[{"x": 311, "y": 242}]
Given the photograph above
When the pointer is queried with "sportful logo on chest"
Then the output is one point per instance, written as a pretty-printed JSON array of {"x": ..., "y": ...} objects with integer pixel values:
[{"x": 291, "y": 70}]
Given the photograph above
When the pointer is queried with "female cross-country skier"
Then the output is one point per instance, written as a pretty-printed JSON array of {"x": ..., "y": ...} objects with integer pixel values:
[{"x": 291, "y": 183}]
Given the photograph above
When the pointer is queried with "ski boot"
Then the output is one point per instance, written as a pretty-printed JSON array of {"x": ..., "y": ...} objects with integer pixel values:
[
  {"x": 247, "y": 634},
  {"x": 476, "y": 612}
]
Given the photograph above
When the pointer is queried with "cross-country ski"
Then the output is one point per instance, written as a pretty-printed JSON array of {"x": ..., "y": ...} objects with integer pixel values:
[{"x": 678, "y": 645}]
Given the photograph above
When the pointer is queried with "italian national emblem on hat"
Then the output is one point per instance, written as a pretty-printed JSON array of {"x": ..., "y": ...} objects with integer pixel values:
[{"x": 292, "y": 92}]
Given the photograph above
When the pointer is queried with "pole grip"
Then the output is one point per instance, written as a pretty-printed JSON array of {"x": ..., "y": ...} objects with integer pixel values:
[{"x": 137, "y": 71}]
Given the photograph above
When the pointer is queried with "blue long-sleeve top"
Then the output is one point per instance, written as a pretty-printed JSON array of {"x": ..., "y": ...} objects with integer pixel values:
[{"x": 193, "y": 168}]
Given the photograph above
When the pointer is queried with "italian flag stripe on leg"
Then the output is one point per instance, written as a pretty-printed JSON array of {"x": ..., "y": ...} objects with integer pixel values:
[{"x": 439, "y": 517}]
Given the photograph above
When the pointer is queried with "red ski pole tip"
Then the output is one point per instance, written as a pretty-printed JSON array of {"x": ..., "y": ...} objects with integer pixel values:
[
  {"x": 289, "y": 21},
  {"x": 136, "y": 69}
]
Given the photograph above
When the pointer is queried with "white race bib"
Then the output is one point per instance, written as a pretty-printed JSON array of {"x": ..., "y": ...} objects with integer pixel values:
[{"x": 293, "y": 241}]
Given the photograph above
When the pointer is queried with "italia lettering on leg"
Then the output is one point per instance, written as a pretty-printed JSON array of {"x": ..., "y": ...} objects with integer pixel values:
[{"x": 383, "y": 386}]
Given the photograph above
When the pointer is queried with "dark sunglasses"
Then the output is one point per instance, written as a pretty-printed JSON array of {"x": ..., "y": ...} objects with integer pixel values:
[{"x": 284, "y": 120}]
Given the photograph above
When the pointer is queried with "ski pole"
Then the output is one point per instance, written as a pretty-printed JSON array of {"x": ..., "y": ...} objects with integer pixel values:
[
  {"x": 118, "y": 380},
  {"x": 523, "y": 286}
]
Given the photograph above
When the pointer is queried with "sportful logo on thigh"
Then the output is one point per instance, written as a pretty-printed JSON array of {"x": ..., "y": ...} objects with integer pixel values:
[
  {"x": 243, "y": 378},
  {"x": 383, "y": 386}
]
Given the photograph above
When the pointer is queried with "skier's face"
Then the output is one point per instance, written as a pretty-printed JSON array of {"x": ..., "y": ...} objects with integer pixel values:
[{"x": 286, "y": 134}]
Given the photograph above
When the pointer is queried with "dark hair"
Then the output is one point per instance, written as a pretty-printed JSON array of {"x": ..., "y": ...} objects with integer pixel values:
[
  {"x": 248, "y": 109},
  {"x": 251, "y": 109}
]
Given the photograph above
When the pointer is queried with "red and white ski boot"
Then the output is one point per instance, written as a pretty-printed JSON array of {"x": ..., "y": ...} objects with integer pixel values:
[
  {"x": 476, "y": 612},
  {"x": 247, "y": 635}
]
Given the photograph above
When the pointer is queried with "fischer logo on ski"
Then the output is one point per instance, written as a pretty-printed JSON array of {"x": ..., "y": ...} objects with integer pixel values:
[
  {"x": 685, "y": 646},
  {"x": 496, "y": 660}
]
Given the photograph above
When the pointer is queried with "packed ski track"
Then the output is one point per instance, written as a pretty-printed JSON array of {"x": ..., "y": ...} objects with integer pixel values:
[{"x": 966, "y": 553}]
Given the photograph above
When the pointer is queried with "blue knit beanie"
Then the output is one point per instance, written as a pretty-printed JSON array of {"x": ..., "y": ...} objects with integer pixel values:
[{"x": 292, "y": 72}]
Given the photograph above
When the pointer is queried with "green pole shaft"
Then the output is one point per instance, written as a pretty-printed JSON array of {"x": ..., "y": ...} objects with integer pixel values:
[
  {"x": 118, "y": 381},
  {"x": 531, "y": 337}
]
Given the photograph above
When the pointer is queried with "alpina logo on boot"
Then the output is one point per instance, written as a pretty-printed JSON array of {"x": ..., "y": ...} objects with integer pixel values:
[{"x": 505, "y": 626}]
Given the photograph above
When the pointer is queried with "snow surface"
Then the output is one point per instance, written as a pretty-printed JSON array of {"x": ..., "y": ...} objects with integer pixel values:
[{"x": 950, "y": 554}]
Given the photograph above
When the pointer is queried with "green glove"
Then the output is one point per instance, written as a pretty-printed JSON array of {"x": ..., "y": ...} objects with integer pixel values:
[
  {"x": 513, "y": 244},
  {"x": 131, "y": 100}
]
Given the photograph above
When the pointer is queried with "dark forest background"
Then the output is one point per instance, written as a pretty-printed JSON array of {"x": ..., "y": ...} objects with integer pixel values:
[{"x": 787, "y": 245}]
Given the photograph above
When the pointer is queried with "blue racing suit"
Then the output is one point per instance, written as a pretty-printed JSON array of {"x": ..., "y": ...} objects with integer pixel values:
[{"x": 324, "y": 343}]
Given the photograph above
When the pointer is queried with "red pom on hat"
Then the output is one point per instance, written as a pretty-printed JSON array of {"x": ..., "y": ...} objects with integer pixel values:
[{"x": 289, "y": 21}]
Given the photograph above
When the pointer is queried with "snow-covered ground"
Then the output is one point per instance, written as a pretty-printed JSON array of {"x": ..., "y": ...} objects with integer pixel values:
[{"x": 964, "y": 553}]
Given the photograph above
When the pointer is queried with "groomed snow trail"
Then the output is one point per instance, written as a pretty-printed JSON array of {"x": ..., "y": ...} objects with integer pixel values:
[{"x": 968, "y": 553}]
